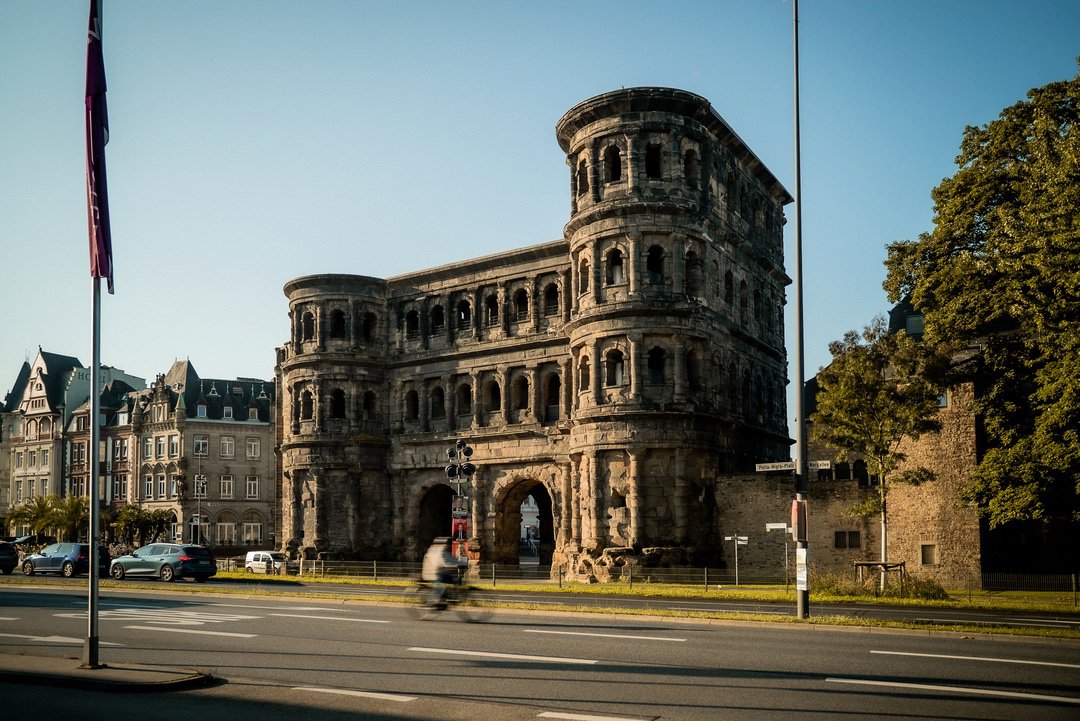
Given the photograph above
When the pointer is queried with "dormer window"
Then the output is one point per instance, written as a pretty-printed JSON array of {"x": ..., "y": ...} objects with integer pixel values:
[
  {"x": 253, "y": 413},
  {"x": 227, "y": 412},
  {"x": 200, "y": 410}
]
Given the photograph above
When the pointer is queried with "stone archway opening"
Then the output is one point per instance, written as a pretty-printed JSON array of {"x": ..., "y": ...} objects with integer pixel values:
[
  {"x": 526, "y": 504},
  {"x": 434, "y": 518}
]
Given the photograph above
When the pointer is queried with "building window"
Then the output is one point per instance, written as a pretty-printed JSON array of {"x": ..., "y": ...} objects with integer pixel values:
[
  {"x": 174, "y": 446},
  {"x": 254, "y": 448},
  {"x": 198, "y": 487},
  {"x": 438, "y": 403},
  {"x": 337, "y": 403},
  {"x": 307, "y": 406},
  {"x": 521, "y": 305},
  {"x": 412, "y": 325},
  {"x": 337, "y": 324},
  {"x": 438, "y": 320},
  {"x": 173, "y": 490},
  {"x": 78, "y": 454},
  {"x": 148, "y": 487},
  {"x": 654, "y": 264},
  {"x": 120, "y": 450},
  {"x": 119, "y": 489},
  {"x": 582, "y": 178},
  {"x": 612, "y": 164},
  {"x": 226, "y": 534},
  {"x": 583, "y": 276},
  {"x": 614, "y": 366},
  {"x": 464, "y": 399},
  {"x": 161, "y": 485},
  {"x": 412, "y": 406},
  {"x": 228, "y": 446},
  {"x": 943, "y": 400},
  {"x": 253, "y": 413},
  {"x": 200, "y": 445},
  {"x": 307, "y": 324},
  {"x": 463, "y": 316},
  {"x": 225, "y": 486},
  {"x": 226, "y": 412},
  {"x": 18, "y": 492},
  {"x": 584, "y": 375},
  {"x": 252, "y": 532},
  {"x": 614, "y": 273},
  {"x": 551, "y": 300},
  {"x": 652, "y": 161},
  {"x": 691, "y": 169},
  {"x": 928, "y": 554},
  {"x": 159, "y": 447},
  {"x": 656, "y": 363},
  {"x": 491, "y": 311},
  {"x": 148, "y": 448},
  {"x": 19, "y": 460},
  {"x": 200, "y": 410},
  {"x": 31, "y": 459},
  {"x": 846, "y": 539},
  {"x": 251, "y": 487}
]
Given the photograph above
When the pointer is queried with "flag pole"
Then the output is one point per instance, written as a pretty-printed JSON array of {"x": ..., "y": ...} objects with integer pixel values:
[{"x": 97, "y": 206}]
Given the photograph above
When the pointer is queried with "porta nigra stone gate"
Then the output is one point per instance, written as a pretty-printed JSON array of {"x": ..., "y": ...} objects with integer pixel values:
[{"x": 617, "y": 375}]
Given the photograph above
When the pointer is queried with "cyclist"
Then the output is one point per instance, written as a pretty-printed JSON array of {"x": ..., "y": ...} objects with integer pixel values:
[{"x": 440, "y": 568}]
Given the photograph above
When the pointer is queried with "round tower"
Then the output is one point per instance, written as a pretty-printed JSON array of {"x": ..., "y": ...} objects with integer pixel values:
[
  {"x": 331, "y": 377},
  {"x": 676, "y": 325}
]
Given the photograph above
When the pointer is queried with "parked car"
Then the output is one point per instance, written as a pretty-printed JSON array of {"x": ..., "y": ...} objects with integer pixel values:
[
  {"x": 9, "y": 557},
  {"x": 167, "y": 561},
  {"x": 267, "y": 562},
  {"x": 68, "y": 559}
]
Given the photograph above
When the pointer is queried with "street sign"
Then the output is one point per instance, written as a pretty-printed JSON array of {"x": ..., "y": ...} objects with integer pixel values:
[
  {"x": 776, "y": 526},
  {"x": 781, "y": 466},
  {"x": 820, "y": 465}
]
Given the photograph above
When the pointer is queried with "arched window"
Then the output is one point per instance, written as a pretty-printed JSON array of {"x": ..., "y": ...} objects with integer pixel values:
[
  {"x": 657, "y": 360},
  {"x": 464, "y": 315},
  {"x": 744, "y": 304},
  {"x": 614, "y": 267},
  {"x": 491, "y": 310},
  {"x": 693, "y": 371},
  {"x": 412, "y": 406},
  {"x": 337, "y": 324},
  {"x": 691, "y": 170},
  {"x": 551, "y": 300},
  {"x": 438, "y": 320},
  {"x": 729, "y": 288},
  {"x": 757, "y": 305},
  {"x": 368, "y": 323},
  {"x": 369, "y": 410},
  {"x": 652, "y": 161},
  {"x": 582, "y": 178},
  {"x": 308, "y": 326},
  {"x": 438, "y": 403},
  {"x": 412, "y": 324},
  {"x": 307, "y": 406},
  {"x": 694, "y": 282},
  {"x": 614, "y": 367},
  {"x": 521, "y": 393},
  {"x": 654, "y": 264},
  {"x": 464, "y": 399},
  {"x": 337, "y": 403},
  {"x": 521, "y": 304},
  {"x": 584, "y": 376},
  {"x": 612, "y": 164},
  {"x": 492, "y": 397},
  {"x": 552, "y": 394},
  {"x": 583, "y": 275}
]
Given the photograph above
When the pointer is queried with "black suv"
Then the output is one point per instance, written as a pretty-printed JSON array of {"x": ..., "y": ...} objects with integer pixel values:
[{"x": 9, "y": 557}]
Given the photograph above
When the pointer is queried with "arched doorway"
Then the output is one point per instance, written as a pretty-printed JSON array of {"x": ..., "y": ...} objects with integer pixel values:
[
  {"x": 509, "y": 530},
  {"x": 433, "y": 517}
]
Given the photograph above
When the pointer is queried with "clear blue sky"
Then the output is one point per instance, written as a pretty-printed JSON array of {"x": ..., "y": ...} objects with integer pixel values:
[{"x": 253, "y": 141}]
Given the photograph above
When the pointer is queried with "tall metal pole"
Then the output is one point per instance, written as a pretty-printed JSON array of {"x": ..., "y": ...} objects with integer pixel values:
[
  {"x": 90, "y": 646},
  {"x": 802, "y": 553}
]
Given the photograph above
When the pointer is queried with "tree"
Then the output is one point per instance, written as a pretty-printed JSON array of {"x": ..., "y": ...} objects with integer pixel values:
[
  {"x": 128, "y": 522},
  {"x": 881, "y": 389},
  {"x": 70, "y": 515},
  {"x": 36, "y": 513},
  {"x": 1000, "y": 273}
]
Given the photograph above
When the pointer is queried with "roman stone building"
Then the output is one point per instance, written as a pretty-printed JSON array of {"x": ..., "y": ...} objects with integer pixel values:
[{"x": 613, "y": 375}]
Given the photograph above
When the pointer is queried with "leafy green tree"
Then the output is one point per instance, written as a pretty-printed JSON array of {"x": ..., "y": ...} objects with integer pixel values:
[
  {"x": 128, "y": 522},
  {"x": 158, "y": 521},
  {"x": 70, "y": 515},
  {"x": 1000, "y": 274},
  {"x": 36, "y": 513},
  {"x": 881, "y": 389}
]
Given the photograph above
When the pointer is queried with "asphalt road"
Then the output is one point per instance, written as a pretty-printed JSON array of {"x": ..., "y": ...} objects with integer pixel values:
[{"x": 375, "y": 661}]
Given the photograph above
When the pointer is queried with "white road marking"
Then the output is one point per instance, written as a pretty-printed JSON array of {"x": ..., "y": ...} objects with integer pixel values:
[
  {"x": 54, "y": 639},
  {"x": 192, "y": 630},
  {"x": 956, "y": 689},
  {"x": 170, "y": 616},
  {"x": 275, "y": 608},
  {"x": 1045, "y": 621},
  {"x": 362, "y": 694},
  {"x": 329, "y": 618},
  {"x": 583, "y": 717},
  {"x": 8, "y": 618},
  {"x": 603, "y": 635},
  {"x": 512, "y": 656},
  {"x": 979, "y": 658}
]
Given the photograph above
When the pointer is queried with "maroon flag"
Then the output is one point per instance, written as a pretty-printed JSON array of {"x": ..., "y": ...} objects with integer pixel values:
[{"x": 97, "y": 135}]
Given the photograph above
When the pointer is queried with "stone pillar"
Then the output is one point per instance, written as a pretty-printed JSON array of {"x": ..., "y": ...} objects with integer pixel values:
[
  {"x": 596, "y": 273},
  {"x": 597, "y": 376},
  {"x": 451, "y": 402},
  {"x": 573, "y": 184},
  {"x": 634, "y": 366},
  {"x": 478, "y": 311},
  {"x": 566, "y": 391},
  {"x": 680, "y": 499},
  {"x": 595, "y": 179},
  {"x": 631, "y": 165},
  {"x": 679, "y": 370},
  {"x": 536, "y": 396},
  {"x": 566, "y": 526},
  {"x": 319, "y": 340},
  {"x": 596, "y": 501},
  {"x": 504, "y": 311},
  {"x": 504, "y": 393},
  {"x": 634, "y": 262},
  {"x": 566, "y": 294},
  {"x": 476, "y": 409},
  {"x": 350, "y": 332},
  {"x": 634, "y": 498}
]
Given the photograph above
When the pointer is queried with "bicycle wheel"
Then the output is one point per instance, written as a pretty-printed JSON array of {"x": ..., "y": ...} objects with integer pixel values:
[
  {"x": 468, "y": 609},
  {"x": 418, "y": 603}
]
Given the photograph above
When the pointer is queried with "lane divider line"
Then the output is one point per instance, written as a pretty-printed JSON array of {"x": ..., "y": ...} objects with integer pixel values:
[
  {"x": 509, "y": 656},
  {"x": 361, "y": 694},
  {"x": 956, "y": 689},
  {"x": 979, "y": 658},
  {"x": 328, "y": 618},
  {"x": 603, "y": 635},
  {"x": 167, "y": 629}
]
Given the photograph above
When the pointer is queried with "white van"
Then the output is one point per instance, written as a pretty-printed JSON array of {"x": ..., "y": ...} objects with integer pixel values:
[{"x": 266, "y": 562}]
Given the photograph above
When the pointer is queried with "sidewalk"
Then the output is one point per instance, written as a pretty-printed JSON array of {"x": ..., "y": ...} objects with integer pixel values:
[{"x": 68, "y": 673}]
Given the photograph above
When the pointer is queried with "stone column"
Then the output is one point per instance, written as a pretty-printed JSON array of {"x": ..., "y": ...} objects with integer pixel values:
[
  {"x": 634, "y": 365},
  {"x": 595, "y": 178},
  {"x": 536, "y": 397},
  {"x": 596, "y": 272},
  {"x": 597, "y": 376},
  {"x": 679, "y": 370},
  {"x": 566, "y": 526},
  {"x": 566, "y": 295},
  {"x": 504, "y": 393},
  {"x": 566, "y": 391},
  {"x": 478, "y": 311},
  {"x": 573, "y": 184},
  {"x": 631, "y": 165},
  {"x": 476, "y": 409},
  {"x": 634, "y": 270},
  {"x": 350, "y": 332},
  {"x": 450, "y": 402},
  {"x": 634, "y": 497},
  {"x": 319, "y": 340},
  {"x": 680, "y": 499},
  {"x": 597, "y": 502}
]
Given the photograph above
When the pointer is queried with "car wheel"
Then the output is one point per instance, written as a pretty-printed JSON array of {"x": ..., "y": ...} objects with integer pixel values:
[
  {"x": 68, "y": 569},
  {"x": 117, "y": 572},
  {"x": 168, "y": 573},
  {"x": 249, "y": 569},
  {"x": 28, "y": 568}
]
